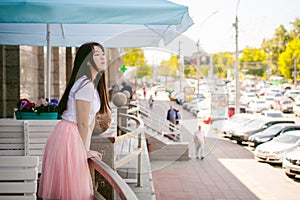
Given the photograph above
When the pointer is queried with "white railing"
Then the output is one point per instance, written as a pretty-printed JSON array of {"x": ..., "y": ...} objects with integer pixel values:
[
  {"x": 159, "y": 124},
  {"x": 130, "y": 144},
  {"x": 117, "y": 183}
]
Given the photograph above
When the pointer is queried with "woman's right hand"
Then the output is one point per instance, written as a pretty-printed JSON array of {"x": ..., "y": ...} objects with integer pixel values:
[{"x": 94, "y": 154}]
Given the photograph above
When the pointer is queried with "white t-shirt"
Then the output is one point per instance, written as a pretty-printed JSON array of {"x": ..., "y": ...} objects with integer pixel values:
[
  {"x": 199, "y": 135},
  {"x": 83, "y": 89}
]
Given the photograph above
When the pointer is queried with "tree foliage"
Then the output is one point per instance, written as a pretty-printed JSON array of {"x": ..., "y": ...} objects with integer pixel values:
[
  {"x": 253, "y": 61},
  {"x": 135, "y": 57},
  {"x": 169, "y": 67},
  {"x": 276, "y": 46},
  {"x": 289, "y": 58},
  {"x": 223, "y": 62}
]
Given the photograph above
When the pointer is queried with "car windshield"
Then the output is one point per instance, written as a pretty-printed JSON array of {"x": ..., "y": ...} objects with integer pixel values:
[
  {"x": 256, "y": 123},
  {"x": 272, "y": 130},
  {"x": 274, "y": 115},
  {"x": 286, "y": 102},
  {"x": 238, "y": 119},
  {"x": 287, "y": 139},
  {"x": 269, "y": 99},
  {"x": 261, "y": 102}
]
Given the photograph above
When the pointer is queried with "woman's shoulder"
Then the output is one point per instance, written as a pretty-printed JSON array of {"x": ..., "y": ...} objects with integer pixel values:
[{"x": 82, "y": 82}]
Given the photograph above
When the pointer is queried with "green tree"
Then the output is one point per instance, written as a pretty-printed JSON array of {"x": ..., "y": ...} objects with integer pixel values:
[
  {"x": 295, "y": 32},
  {"x": 134, "y": 57},
  {"x": 253, "y": 61},
  {"x": 169, "y": 67},
  {"x": 144, "y": 71},
  {"x": 190, "y": 71},
  {"x": 275, "y": 46},
  {"x": 288, "y": 57},
  {"x": 222, "y": 62}
]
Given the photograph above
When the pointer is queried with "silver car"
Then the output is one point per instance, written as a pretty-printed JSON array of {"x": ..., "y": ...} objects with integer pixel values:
[
  {"x": 291, "y": 164},
  {"x": 275, "y": 150}
]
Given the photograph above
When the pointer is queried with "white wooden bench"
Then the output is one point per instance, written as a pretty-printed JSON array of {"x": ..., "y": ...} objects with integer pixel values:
[
  {"x": 36, "y": 133},
  {"x": 25, "y": 137},
  {"x": 12, "y": 137},
  {"x": 18, "y": 177}
]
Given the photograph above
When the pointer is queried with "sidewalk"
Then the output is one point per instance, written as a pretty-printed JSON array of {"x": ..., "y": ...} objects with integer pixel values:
[{"x": 201, "y": 179}]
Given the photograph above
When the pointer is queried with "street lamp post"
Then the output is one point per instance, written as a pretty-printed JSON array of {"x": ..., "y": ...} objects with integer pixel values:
[{"x": 237, "y": 83}]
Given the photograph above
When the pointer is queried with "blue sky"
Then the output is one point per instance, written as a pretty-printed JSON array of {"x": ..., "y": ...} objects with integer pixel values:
[{"x": 258, "y": 19}]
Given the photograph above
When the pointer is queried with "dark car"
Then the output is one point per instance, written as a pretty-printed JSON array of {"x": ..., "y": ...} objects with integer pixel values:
[
  {"x": 271, "y": 132},
  {"x": 241, "y": 134}
]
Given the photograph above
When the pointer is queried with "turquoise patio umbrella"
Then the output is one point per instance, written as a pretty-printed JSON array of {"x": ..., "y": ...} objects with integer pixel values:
[{"x": 114, "y": 23}]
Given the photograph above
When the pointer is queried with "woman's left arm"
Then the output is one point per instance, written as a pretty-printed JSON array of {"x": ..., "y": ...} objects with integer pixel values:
[{"x": 92, "y": 126}]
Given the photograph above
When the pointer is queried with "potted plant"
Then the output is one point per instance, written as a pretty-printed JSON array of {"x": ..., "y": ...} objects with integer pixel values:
[{"x": 41, "y": 110}]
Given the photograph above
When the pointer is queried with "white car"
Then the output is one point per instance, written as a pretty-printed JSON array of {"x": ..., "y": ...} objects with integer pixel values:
[
  {"x": 270, "y": 100},
  {"x": 258, "y": 106},
  {"x": 248, "y": 97},
  {"x": 291, "y": 164},
  {"x": 296, "y": 108},
  {"x": 292, "y": 94},
  {"x": 236, "y": 120},
  {"x": 275, "y": 150},
  {"x": 188, "y": 105},
  {"x": 272, "y": 113}
]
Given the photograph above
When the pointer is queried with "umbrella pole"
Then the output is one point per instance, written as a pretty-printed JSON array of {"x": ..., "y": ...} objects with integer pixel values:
[{"x": 48, "y": 83}]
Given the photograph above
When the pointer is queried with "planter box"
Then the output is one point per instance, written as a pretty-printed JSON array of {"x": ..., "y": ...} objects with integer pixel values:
[{"x": 33, "y": 115}]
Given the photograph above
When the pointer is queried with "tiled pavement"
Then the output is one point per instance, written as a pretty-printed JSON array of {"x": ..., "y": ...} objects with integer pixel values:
[{"x": 200, "y": 179}]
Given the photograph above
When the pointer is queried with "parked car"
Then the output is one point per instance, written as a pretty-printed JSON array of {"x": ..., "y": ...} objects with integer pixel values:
[
  {"x": 271, "y": 132},
  {"x": 231, "y": 109},
  {"x": 258, "y": 106},
  {"x": 269, "y": 100},
  {"x": 188, "y": 105},
  {"x": 236, "y": 120},
  {"x": 292, "y": 94},
  {"x": 296, "y": 108},
  {"x": 275, "y": 150},
  {"x": 260, "y": 123},
  {"x": 246, "y": 98},
  {"x": 205, "y": 104},
  {"x": 284, "y": 104},
  {"x": 272, "y": 113},
  {"x": 291, "y": 164}
]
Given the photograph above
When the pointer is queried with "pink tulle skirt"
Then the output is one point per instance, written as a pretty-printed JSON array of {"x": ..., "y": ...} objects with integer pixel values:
[{"x": 65, "y": 171}]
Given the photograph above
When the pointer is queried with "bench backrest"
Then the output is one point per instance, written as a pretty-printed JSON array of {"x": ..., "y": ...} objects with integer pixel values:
[
  {"x": 12, "y": 137},
  {"x": 25, "y": 137},
  {"x": 35, "y": 137},
  {"x": 18, "y": 177}
]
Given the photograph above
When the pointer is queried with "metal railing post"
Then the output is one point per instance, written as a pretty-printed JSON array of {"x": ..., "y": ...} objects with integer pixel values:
[{"x": 139, "y": 161}]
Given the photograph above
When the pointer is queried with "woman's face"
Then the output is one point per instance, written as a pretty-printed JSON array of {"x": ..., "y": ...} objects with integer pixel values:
[{"x": 99, "y": 59}]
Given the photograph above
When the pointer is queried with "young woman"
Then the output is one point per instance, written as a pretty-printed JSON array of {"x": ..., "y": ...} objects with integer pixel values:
[{"x": 65, "y": 172}]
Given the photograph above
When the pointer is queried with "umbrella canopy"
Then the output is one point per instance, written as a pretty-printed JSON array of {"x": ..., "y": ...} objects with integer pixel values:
[
  {"x": 74, "y": 35},
  {"x": 114, "y": 23}
]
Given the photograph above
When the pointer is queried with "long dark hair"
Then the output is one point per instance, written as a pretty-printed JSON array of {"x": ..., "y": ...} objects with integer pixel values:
[{"x": 84, "y": 55}]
